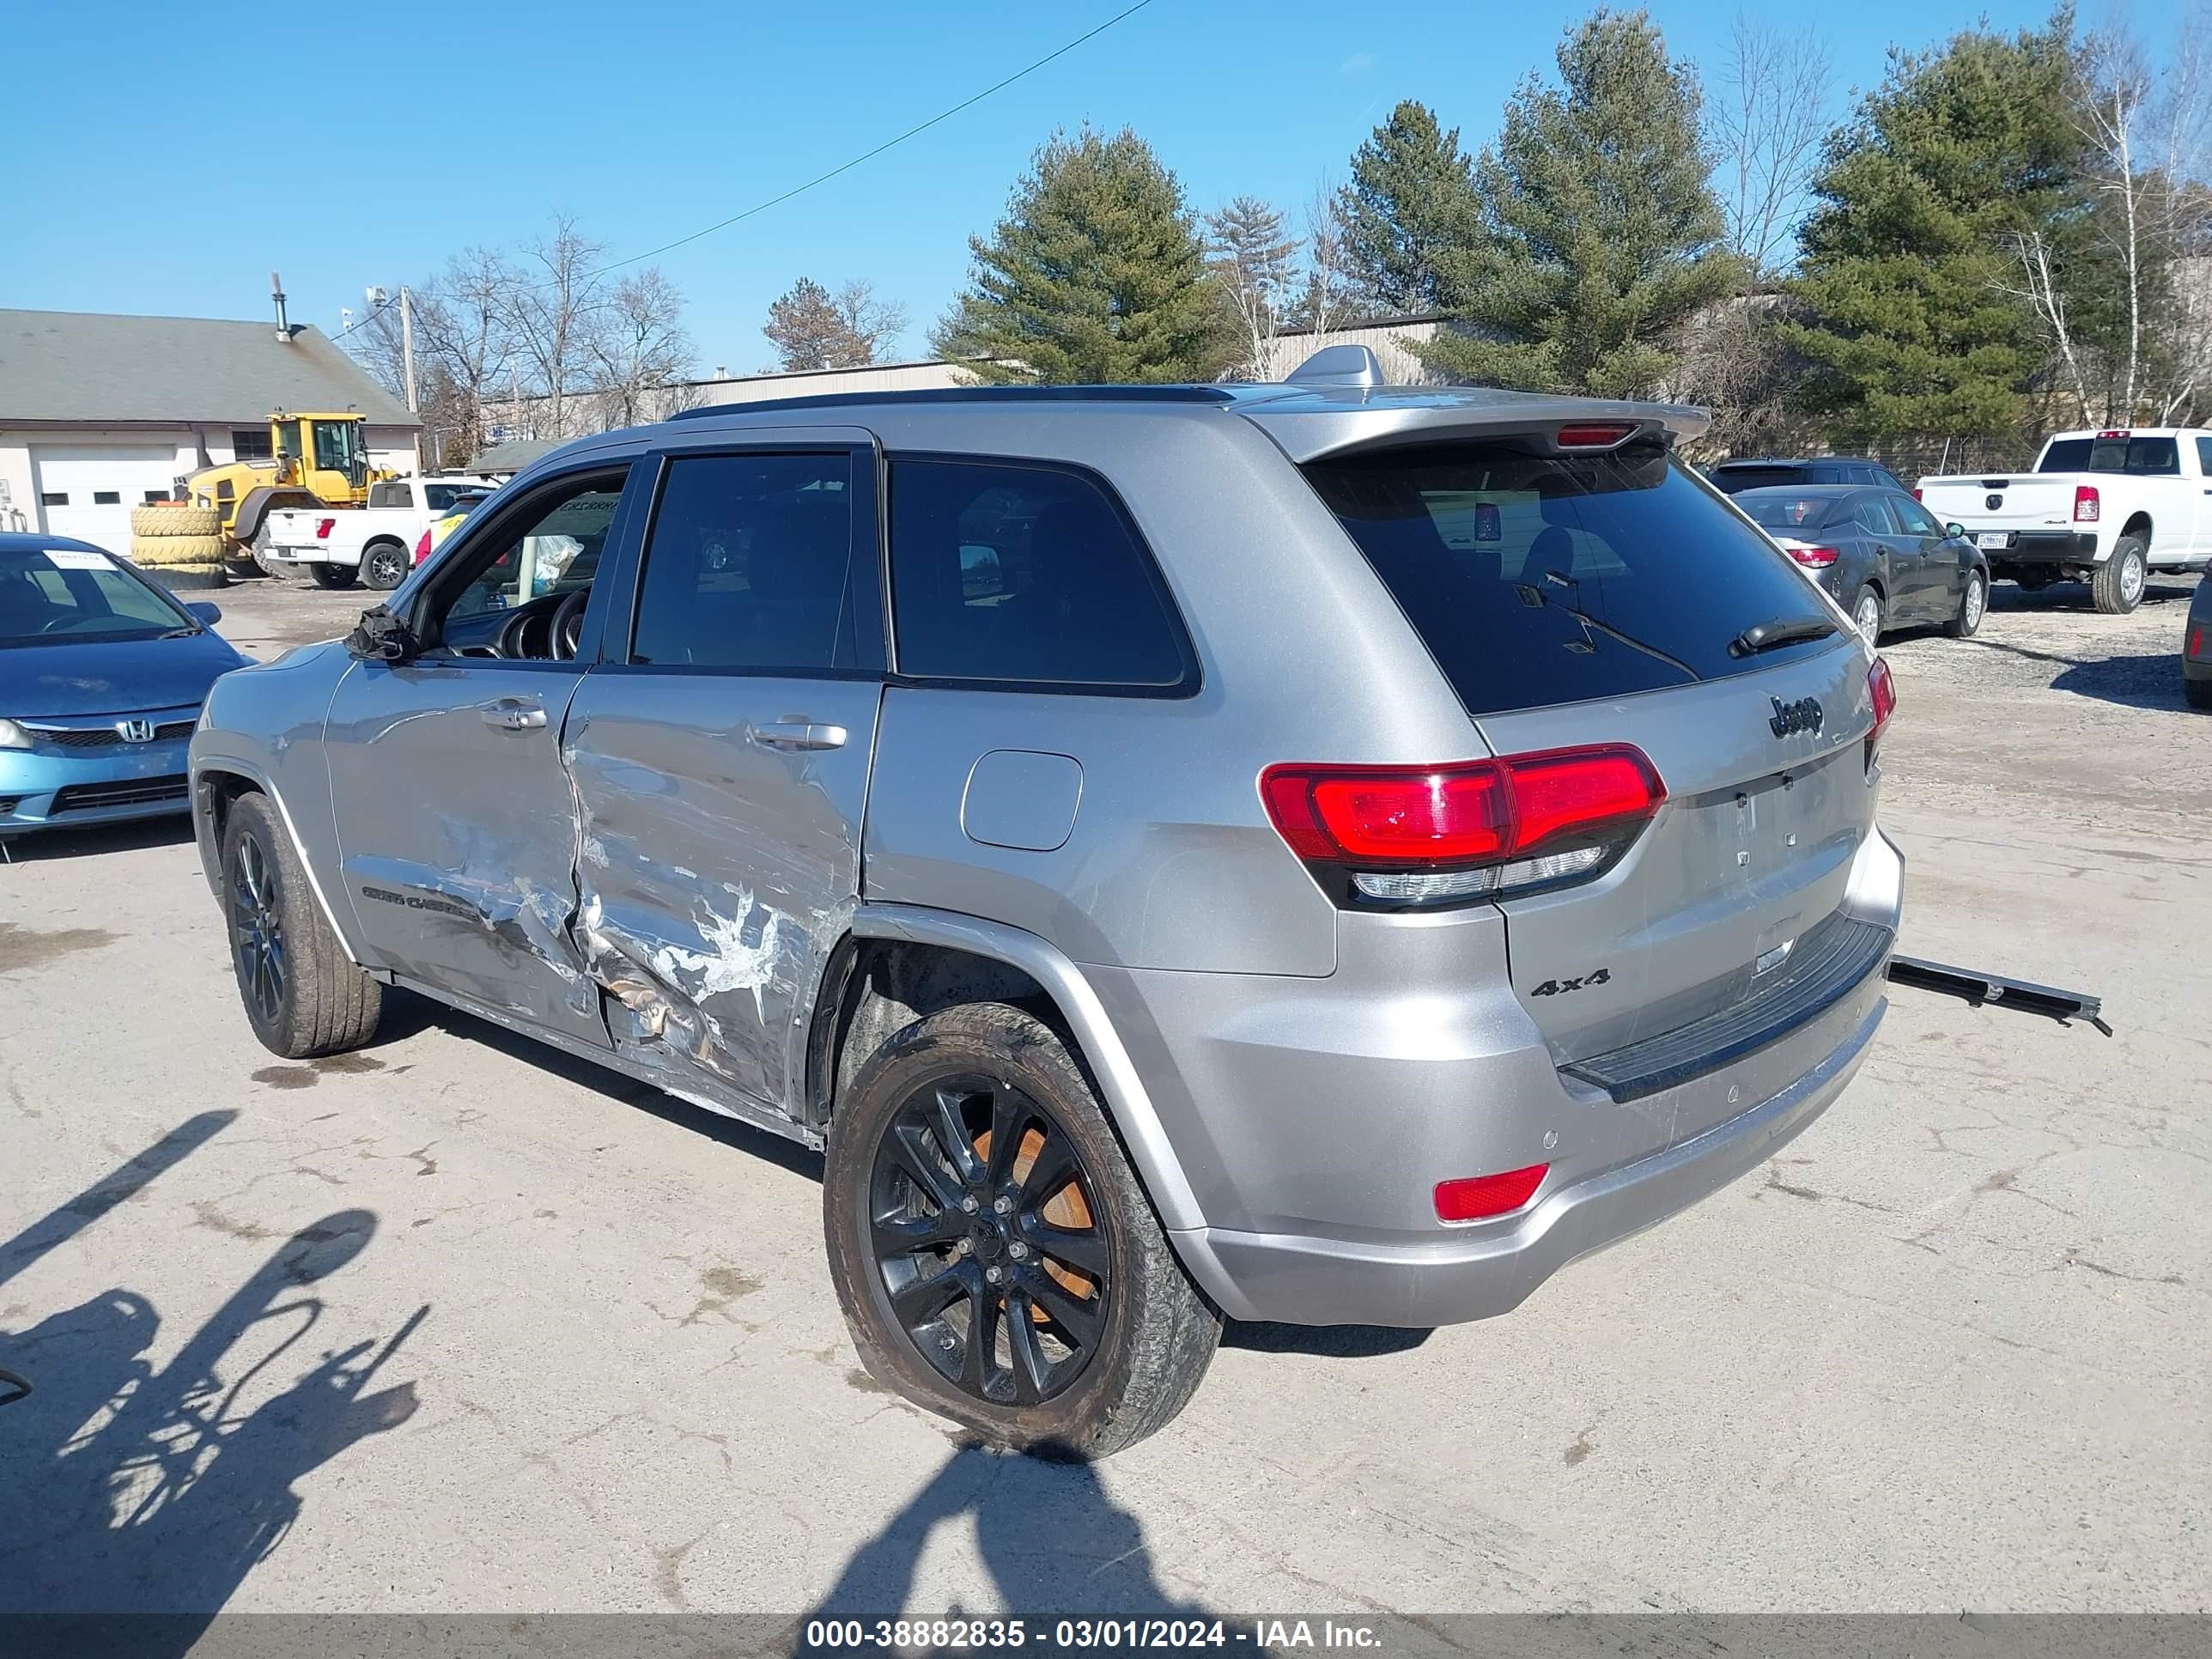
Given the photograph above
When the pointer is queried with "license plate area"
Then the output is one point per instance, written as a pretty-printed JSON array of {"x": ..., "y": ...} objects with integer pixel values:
[{"x": 1994, "y": 538}]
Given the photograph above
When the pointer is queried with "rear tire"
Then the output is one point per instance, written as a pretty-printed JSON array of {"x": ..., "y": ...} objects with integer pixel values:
[
  {"x": 1866, "y": 613},
  {"x": 1973, "y": 605},
  {"x": 176, "y": 520},
  {"x": 2117, "y": 585},
  {"x": 385, "y": 565},
  {"x": 2198, "y": 693},
  {"x": 333, "y": 575},
  {"x": 1034, "y": 1298},
  {"x": 303, "y": 997}
]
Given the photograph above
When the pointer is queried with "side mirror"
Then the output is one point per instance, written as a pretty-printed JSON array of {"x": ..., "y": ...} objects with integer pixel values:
[
  {"x": 206, "y": 611},
  {"x": 380, "y": 636},
  {"x": 1954, "y": 531}
]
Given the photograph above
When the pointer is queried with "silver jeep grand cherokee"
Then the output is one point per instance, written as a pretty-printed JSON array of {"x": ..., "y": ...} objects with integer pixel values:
[{"x": 1321, "y": 851}]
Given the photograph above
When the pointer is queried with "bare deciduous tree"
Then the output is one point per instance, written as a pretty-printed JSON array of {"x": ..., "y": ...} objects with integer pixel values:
[
  {"x": 638, "y": 346},
  {"x": 1326, "y": 296},
  {"x": 1765, "y": 121},
  {"x": 870, "y": 324},
  {"x": 1253, "y": 259},
  {"x": 552, "y": 311}
]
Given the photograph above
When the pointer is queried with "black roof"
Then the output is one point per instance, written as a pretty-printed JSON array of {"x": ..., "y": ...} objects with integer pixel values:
[{"x": 977, "y": 394}]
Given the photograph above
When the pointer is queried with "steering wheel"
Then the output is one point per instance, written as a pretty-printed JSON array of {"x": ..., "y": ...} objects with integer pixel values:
[{"x": 567, "y": 632}]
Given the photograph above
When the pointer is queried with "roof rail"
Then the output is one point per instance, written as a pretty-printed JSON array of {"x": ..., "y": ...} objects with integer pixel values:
[{"x": 975, "y": 394}]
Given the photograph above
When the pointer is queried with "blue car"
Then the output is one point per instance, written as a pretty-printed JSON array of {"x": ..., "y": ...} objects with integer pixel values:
[{"x": 101, "y": 678}]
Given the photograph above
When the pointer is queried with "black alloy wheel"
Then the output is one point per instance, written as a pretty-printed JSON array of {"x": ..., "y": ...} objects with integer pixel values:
[
  {"x": 384, "y": 567},
  {"x": 985, "y": 1230},
  {"x": 258, "y": 929}
]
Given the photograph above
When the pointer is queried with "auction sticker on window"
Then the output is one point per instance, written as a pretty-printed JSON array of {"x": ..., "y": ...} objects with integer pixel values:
[{"x": 76, "y": 558}]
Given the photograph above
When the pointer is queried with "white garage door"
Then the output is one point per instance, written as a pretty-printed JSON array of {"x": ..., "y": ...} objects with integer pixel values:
[{"x": 88, "y": 490}]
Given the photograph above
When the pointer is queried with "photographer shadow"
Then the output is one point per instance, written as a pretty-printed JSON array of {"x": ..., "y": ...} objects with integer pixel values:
[{"x": 1055, "y": 1543}]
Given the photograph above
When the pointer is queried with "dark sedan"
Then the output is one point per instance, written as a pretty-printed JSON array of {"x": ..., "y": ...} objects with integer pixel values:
[
  {"x": 102, "y": 675},
  {"x": 1880, "y": 553}
]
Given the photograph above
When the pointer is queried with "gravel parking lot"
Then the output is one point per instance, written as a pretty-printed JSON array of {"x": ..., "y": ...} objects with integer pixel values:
[{"x": 1947, "y": 1351}]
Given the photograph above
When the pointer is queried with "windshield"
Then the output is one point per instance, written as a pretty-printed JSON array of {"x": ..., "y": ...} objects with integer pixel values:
[
  {"x": 1536, "y": 580},
  {"x": 1777, "y": 509},
  {"x": 70, "y": 595},
  {"x": 2144, "y": 457}
]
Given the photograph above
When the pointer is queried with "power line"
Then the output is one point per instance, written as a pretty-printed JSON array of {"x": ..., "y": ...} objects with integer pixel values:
[
  {"x": 869, "y": 155},
  {"x": 845, "y": 166}
]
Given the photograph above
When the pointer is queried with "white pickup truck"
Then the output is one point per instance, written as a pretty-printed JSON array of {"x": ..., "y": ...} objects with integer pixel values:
[
  {"x": 373, "y": 544},
  {"x": 2104, "y": 507}
]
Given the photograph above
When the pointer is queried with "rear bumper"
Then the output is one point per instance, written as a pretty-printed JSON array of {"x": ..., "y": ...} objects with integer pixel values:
[
  {"x": 2043, "y": 547},
  {"x": 1312, "y": 1119},
  {"x": 1318, "y": 1281}
]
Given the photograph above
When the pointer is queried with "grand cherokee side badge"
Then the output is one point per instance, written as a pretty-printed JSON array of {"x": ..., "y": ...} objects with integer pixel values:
[{"x": 1805, "y": 714}]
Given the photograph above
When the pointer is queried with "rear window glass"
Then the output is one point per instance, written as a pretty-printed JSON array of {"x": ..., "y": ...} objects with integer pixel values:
[
  {"x": 1729, "y": 479},
  {"x": 444, "y": 497},
  {"x": 2145, "y": 457},
  {"x": 1002, "y": 571},
  {"x": 1778, "y": 510},
  {"x": 1543, "y": 580}
]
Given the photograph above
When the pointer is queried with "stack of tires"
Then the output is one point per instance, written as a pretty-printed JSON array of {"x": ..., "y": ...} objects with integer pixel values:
[{"x": 180, "y": 543}]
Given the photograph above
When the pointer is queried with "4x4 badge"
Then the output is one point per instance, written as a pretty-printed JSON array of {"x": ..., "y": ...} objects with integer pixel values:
[{"x": 1805, "y": 714}]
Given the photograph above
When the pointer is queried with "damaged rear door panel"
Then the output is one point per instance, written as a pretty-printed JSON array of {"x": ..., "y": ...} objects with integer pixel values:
[{"x": 719, "y": 758}]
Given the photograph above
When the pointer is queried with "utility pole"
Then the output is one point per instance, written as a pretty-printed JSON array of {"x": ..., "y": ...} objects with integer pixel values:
[{"x": 407, "y": 366}]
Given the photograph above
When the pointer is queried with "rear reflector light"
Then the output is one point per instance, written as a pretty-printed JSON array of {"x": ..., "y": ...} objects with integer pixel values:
[
  {"x": 1477, "y": 1197},
  {"x": 1595, "y": 435},
  {"x": 1412, "y": 835},
  {"x": 323, "y": 528},
  {"x": 1805, "y": 553},
  {"x": 2086, "y": 504},
  {"x": 1882, "y": 690}
]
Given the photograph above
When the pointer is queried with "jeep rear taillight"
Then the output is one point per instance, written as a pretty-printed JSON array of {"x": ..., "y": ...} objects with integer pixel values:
[
  {"x": 1437, "y": 835},
  {"x": 1881, "y": 690},
  {"x": 2086, "y": 504}
]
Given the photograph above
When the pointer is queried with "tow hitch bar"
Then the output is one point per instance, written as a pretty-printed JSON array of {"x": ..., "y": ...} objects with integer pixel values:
[{"x": 1977, "y": 988}]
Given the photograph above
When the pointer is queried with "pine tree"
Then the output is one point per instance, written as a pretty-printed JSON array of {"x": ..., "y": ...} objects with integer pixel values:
[
  {"x": 1095, "y": 275},
  {"x": 808, "y": 329},
  {"x": 1959, "y": 152},
  {"x": 1601, "y": 236},
  {"x": 1254, "y": 261},
  {"x": 1409, "y": 214}
]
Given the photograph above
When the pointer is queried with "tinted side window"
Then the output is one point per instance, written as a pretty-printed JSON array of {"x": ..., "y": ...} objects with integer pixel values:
[
  {"x": 1872, "y": 513},
  {"x": 2204, "y": 456},
  {"x": 1918, "y": 520},
  {"x": 747, "y": 563},
  {"x": 1001, "y": 571}
]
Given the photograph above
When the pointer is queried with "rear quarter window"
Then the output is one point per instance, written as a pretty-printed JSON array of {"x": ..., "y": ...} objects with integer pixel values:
[
  {"x": 1535, "y": 580},
  {"x": 1029, "y": 574}
]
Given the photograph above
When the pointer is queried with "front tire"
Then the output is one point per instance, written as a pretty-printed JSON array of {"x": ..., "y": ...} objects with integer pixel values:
[
  {"x": 997, "y": 1261},
  {"x": 302, "y": 996},
  {"x": 2117, "y": 585},
  {"x": 1973, "y": 605},
  {"x": 333, "y": 575}
]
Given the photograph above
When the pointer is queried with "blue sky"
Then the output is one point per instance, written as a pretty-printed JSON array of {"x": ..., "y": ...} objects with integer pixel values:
[{"x": 135, "y": 140}]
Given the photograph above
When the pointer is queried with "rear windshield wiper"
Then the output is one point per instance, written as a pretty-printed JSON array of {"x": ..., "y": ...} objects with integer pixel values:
[
  {"x": 1536, "y": 596},
  {"x": 1782, "y": 630}
]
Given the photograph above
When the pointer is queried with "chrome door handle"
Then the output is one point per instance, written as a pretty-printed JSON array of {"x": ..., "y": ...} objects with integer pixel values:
[
  {"x": 512, "y": 714},
  {"x": 798, "y": 734}
]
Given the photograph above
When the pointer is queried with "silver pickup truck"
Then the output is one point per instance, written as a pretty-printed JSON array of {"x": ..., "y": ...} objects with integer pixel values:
[{"x": 2105, "y": 507}]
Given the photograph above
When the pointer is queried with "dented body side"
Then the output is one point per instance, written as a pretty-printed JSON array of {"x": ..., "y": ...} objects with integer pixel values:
[{"x": 716, "y": 872}]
